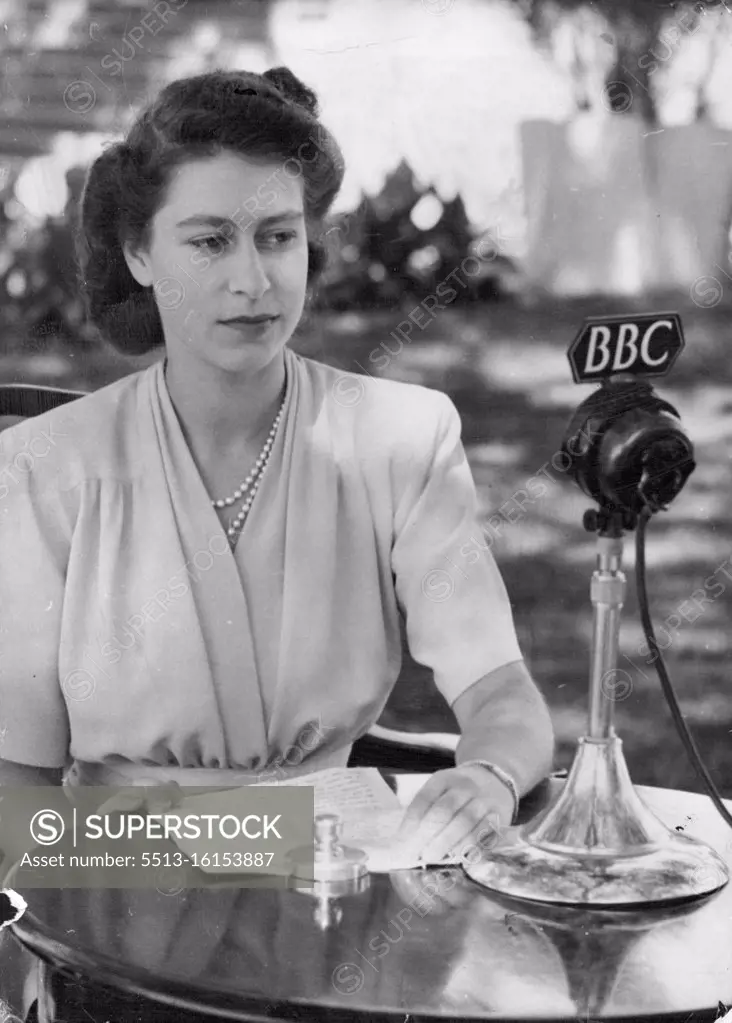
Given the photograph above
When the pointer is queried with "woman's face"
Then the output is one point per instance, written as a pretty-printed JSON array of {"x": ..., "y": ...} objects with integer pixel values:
[{"x": 228, "y": 244}]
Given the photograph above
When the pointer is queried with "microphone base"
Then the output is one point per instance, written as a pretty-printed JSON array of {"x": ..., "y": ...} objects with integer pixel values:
[{"x": 599, "y": 845}]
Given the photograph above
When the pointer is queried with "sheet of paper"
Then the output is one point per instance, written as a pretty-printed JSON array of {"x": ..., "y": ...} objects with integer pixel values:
[
  {"x": 347, "y": 791},
  {"x": 369, "y": 812}
]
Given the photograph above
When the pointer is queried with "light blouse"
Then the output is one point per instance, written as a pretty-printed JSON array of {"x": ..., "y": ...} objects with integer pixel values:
[{"x": 133, "y": 638}]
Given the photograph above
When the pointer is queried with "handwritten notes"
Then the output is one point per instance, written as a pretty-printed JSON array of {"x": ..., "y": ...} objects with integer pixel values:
[{"x": 344, "y": 790}]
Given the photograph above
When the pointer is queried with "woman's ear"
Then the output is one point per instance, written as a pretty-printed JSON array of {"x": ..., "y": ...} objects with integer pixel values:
[{"x": 138, "y": 263}]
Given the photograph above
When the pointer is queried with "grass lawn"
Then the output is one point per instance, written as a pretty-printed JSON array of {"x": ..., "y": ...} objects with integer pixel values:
[{"x": 506, "y": 370}]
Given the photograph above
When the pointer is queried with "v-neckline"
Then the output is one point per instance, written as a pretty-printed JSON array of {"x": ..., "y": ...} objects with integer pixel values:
[
  {"x": 195, "y": 474},
  {"x": 231, "y": 650}
]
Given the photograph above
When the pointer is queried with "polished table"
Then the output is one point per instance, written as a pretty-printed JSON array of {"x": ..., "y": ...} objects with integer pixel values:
[{"x": 459, "y": 953}]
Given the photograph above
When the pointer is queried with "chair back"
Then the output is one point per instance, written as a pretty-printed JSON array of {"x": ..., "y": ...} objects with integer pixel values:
[{"x": 24, "y": 401}]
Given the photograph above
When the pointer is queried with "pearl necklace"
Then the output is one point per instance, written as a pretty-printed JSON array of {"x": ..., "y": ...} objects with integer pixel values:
[{"x": 250, "y": 484}]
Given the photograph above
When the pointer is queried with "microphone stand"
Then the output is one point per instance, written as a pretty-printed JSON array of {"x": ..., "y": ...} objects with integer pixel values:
[{"x": 598, "y": 844}]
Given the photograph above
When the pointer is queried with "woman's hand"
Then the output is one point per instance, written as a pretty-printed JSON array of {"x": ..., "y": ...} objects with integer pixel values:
[
  {"x": 456, "y": 811},
  {"x": 141, "y": 800}
]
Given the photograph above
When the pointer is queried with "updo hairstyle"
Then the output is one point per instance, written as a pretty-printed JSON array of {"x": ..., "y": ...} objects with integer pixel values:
[{"x": 272, "y": 116}]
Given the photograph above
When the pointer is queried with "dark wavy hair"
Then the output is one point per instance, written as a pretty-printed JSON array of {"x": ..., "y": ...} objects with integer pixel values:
[{"x": 271, "y": 116}]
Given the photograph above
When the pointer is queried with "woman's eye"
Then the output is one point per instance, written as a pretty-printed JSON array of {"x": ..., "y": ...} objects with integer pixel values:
[
  {"x": 279, "y": 239},
  {"x": 214, "y": 243}
]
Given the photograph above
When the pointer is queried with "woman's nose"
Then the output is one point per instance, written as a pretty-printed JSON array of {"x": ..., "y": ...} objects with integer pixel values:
[{"x": 248, "y": 275}]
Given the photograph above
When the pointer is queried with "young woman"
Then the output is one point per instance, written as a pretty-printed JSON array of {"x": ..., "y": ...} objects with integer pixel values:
[{"x": 203, "y": 565}]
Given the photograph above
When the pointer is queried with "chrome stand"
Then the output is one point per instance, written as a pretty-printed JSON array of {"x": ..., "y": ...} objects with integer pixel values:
[{"x": 598, "y": 844}]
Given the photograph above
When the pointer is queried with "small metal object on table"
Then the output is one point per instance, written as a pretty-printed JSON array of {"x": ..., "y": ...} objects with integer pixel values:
[
  {"x": 424, "y": 944},
  {"x": 329, "y": 871}
]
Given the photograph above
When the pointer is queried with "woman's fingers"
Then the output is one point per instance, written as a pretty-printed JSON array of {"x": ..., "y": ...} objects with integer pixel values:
[
  {"x": 451, "y": 809},
  {"x": 422, "y": 805},
  {"x": 164, "y": 797},
  {"x": 122, "y": 802},
  {"x": 443, "y": 822},
  {"x": 160, "y": 799},
  {"x": 456, "y": 835}
]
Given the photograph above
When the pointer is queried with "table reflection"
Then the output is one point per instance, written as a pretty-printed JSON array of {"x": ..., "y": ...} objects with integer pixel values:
[
  {"x": 428, "y": 943},
  {"x": 416, "y": 941}
]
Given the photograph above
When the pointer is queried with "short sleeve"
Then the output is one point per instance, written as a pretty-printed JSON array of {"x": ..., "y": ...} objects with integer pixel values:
[
  {"x": 457, "y": 613},
  {"x": 34, "y": 727}
]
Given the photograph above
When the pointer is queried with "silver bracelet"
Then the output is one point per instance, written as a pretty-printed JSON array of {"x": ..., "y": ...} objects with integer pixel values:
[{"x": 503, "y": 776}]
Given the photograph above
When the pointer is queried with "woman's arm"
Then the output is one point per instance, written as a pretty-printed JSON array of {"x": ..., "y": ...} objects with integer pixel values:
[
  {"x": 24, "y": 774},
  {"x": 459, "y": 623},
  {"x": 504, "y": 718},
  {"x": 15, "y": 839}
]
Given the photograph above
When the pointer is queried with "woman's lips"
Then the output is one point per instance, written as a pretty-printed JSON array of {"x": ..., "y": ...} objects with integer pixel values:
[
  {"x": 248, "y": 321},
  {"x": 250, "y": 326}
]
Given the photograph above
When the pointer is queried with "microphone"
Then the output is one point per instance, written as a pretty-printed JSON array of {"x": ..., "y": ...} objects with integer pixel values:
[
  {"x": 597, "y": 843},
  {"x": 628, "y": 450}
]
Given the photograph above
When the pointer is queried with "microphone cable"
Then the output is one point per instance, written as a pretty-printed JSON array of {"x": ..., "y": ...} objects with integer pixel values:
[{"x": 681, "y": 726}]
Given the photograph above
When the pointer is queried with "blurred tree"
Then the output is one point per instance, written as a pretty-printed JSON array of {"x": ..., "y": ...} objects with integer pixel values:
[
  {"x": 39, "y": 295},
  {"x": 642, "y": 35},
  {"x": 400, "y": 244}
]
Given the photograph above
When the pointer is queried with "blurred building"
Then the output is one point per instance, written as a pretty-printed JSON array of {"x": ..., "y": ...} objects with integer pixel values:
[
  {"x": 585, "y": 199},
  {"x": 441, "y": 84},
  {"x": 615, "y": 208},
  {"x": 396, "y": 81},
  {"x": 74, "y": 72}
]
